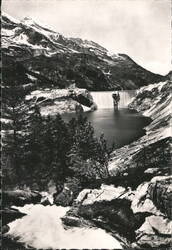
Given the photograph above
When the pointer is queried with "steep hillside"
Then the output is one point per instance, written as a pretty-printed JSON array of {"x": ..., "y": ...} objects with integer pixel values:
[
  {"x": 151, "y": 154},
  {"x": 136, "y": 208},
  {"x": 34, "y": 53}
]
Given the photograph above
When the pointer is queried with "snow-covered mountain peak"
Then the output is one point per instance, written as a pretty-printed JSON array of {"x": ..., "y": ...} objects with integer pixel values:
[
  {"x": 63, "y": 60},
  {"x": 30, "y": 32},
  {"x": 7, "y": 18},
  {"x": 33, "y": 22}
]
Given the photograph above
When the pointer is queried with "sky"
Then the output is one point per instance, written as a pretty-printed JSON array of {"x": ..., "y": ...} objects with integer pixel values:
[{"x": 138, "y": 28}]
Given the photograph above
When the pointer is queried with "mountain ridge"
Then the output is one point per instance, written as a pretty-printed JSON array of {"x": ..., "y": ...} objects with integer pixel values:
[{"x": 63, "y": 61}]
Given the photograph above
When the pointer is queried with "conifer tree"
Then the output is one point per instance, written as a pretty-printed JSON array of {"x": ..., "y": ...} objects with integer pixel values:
[
  {"x": 88, "y": 156},
  {"x": 33, "y": 149},
  {"x": 15, "y": 112}
]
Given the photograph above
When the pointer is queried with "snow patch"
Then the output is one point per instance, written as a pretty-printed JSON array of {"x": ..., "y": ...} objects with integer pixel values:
[
  {"x": 10, "y": 18},
  {"x": 7, "y": 32}
]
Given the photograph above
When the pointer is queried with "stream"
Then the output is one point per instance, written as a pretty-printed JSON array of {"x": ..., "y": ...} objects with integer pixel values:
[{"x": 42, "y": 228}]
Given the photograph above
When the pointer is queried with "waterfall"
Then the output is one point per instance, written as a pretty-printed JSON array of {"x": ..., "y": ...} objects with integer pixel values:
[
  {"x": 104, "y": 99},
  {"x": 126, "y": 97}
]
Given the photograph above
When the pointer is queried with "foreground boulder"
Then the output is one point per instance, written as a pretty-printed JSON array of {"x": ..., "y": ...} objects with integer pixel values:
[
  {"x": 19, "y": 198},
  {"x": 142, "y": 202},
  {"x": 130, "y": 214},
  {"x": 115, "y": 213},
  {"x": 155, "y": 232},
  {"x": 108, "y": 207},
  {"x": 154, "y": 197}
]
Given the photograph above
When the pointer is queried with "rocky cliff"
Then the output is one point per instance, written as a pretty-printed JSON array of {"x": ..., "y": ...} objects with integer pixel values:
[
  {"x": 33, "y": 53},
  {"x": 53, "y": 101},
  {"x": 135, "y": 206},
  {"x": 151, "y": 154}
]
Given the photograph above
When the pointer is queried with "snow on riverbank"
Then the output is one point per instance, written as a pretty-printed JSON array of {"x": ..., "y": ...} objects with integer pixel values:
[{"x": 43, "y": 228}]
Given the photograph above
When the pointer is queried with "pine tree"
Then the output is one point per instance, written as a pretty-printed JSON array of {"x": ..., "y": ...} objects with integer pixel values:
[
  {"x": 33, "y": 149},
  {"x": 62, "y": 142},
  {"x": 83, "y": 135},
  {"x": 88, "y": 156},
  {"x": 15, "y": 112}
]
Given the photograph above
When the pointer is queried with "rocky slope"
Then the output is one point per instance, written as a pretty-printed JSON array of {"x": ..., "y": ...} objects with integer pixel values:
[
  {"x": 53, "y": 101},
  {"x": 136, "y": 207},
  {"x": 151, "y": 154},
  {"x": 33, "y": 53},
  {"x": 169, "y": 75}
]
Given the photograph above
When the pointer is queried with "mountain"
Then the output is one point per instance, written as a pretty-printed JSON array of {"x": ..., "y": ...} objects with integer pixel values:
[
  {"x": 34, "y": 53},
  {"x": 169, "y": 75}
]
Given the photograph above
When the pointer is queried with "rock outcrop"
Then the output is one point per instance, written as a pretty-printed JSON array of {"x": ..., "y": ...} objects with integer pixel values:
[
  {"x": 160, "y": 191},
  {"x": 130, "y": 214},
  {"x": 156, "y": 230},
  {"x": 33, "y": 53},
  {"x": 155, "y": 233},
  {"x": 53, "y": 101}
]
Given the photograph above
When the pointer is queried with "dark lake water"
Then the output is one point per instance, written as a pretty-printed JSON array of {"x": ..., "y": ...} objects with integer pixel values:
[{"x": 122, "y": 127}]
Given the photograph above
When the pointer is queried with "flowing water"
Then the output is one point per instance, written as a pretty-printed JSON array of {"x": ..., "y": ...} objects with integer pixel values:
[
  {"x": 42, "y": 228},
  {"x": 123, "y": 126}
]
